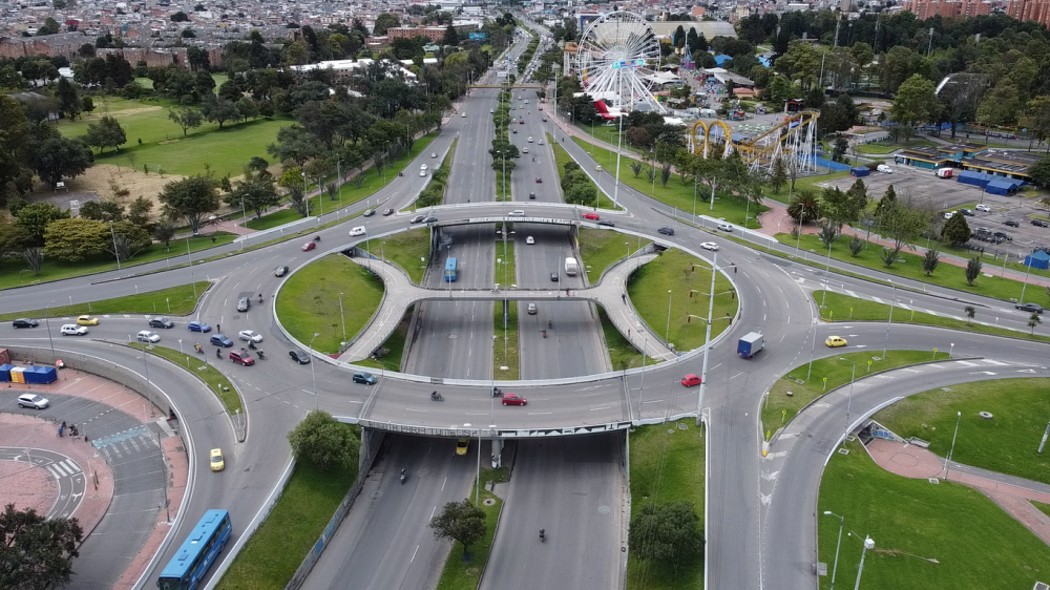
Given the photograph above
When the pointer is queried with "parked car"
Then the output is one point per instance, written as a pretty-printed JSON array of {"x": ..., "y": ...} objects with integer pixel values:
[
  {"x": 983, "y": 207},
  {"x": 691, "y": 380},
  {"x": 1011, "y": 223},
  {"x": 280, "y": 271},
  {"x": 554, "y": 277},
  {"x": 1030, "y": 307},
  {"x": 147, "y": 336},
  {"x": 949, "y": 214},
  {"x": 524, "y": 150},
  {"x": 86, "y": 320},
  {"x": 966, "y": 212},
  {"x": 1040, "y": 223},
  {"x": 667, "y": 231},
  {"x": 299, "y": 356},
  {"x": 513, "y": 399},
  {"x": 161, "y": 322},
  {"x": 242, "y": 358},
  {"x": 198, "y": 326},
  {"x": 221, "y": 340},
  {"x": 244, "y": 304},
  {"x": 884, "y": 169},
  {"x": 365, "y": 378},
  {"x": 309, "y": 246},
  {"x": 532, "y": 196},
  {"x": 73, "y": 330},
  {"x": 216, "y": 461},
  {"x": 32, "y": 400},
  {"x": 250, "y": 336},
  {"x": 25, "y": 323}
]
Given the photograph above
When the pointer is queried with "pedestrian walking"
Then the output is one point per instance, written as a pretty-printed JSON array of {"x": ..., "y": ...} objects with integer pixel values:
[{"x": 218, "y": 328}]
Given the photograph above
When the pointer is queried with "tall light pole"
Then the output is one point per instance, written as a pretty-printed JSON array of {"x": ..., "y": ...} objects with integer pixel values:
[
  {"x": 707, "y": 336},
  {"x": 868, "y": 544},
  {"x": 835, "y": 568},
  {"x": 313, "y": 375},
  {"x": 798, "y": 239},
  {"x": 619, "y": 142},
  {"x": 1025, "y": 286},
  {"x": 947, "y": 460},
  {"x": 113, "y": 235},
  {"x": 889, "y": 320},
  {"x": 667, "y": 334},
  {"x": 50, "y": 338},
  {"x": 827, "y": 269},
  {"x": 849, "y": 402},
  {"x": 342, "y": 319}
]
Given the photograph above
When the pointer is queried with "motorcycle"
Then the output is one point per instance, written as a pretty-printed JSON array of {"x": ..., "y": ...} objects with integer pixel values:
[
  {"x": 543, "y": 536},
  {"x": 544, "y": 333},
  {"x": 262, "y": 356},
  {"x": 403, "y": 476},
  {"x": 437, "y": 397},
  {"x": 317, "y": 238}
]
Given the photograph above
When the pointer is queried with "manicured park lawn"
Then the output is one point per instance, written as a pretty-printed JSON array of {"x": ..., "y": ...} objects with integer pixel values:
[
  {"x": 926, "y": 535},
  {"x": 274, "y": 552},
  {"x": 804, "y": 383},
  {"x": 309, "y": 302},
  {"x": 176, "y": 301},
  {"x": 408, "y": 250},
  {"x": 667, "y": 465},
  {"x": 669, "y": 280},
  {"x": 601, "y": 248},
  {"x": 1006, "y": 443}
]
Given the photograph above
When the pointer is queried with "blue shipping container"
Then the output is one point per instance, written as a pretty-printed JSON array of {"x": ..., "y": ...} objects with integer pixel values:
[
  {"x": 40, "y": 375},
  {"x": 5, "y": 372}
]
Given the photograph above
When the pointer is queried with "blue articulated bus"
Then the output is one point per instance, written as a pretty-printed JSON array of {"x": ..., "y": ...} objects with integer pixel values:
[
  {"x": 197, "y": 553},
  {"x": 451, "y": 271}
]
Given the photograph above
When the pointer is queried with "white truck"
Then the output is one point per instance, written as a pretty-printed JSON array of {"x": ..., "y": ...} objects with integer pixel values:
[{"x": 571, "y": 266}]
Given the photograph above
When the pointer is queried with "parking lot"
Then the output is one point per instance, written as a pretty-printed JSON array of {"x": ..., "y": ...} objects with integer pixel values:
[{"x": 948, "y": 195}]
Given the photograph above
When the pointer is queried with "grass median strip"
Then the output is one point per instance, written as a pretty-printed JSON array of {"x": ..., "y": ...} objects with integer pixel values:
[
  {"x": 805, "y": 383},
  {"x": 460, "y": 574},
  {"x": 926, "y": 536},
  {"x": 175, "y": 301},
  {"x": 408, "y": 250},
  {"x": 200, "y": 365},
  {"x": 601, "y": 249},
  {"x": 561, "y": 158},
  {"x": 844, "y": 308},
  {"x": 278, "y": 547},
  {"x": 505, "y": 358},
  {"x": 667, "y": 465}
]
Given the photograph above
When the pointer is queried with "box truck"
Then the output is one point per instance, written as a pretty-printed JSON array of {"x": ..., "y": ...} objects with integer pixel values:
[
  {"x": 945, "y": 172},
  {"x": 571, "y": 266},
  {"x": 750, "y": 345}
]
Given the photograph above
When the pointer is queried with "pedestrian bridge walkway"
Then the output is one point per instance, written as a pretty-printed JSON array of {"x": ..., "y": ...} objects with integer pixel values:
[{"x": 610, "y": 293}]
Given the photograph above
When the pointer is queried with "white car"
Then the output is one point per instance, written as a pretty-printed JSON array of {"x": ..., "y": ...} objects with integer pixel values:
[
  {"x": 983, "y": 207},
  {"x": 433, "y": 154},
  {"x": 250, "y": 336},
  {"x": 530, "y": 241},
  {"x": 358, "y": 231},
  {"x": 884, "y": 169},
  {"x": 949, "y": 214},
  {"x": 32, "y": 400},
  {"x": 423, "y": 167},
  {"x": 73, "y": 330},
  {"x": 517, "y": 213},
  {"x": 147, "y": 336},
  {"x": 709, "y": 246},
  {"x": 725, "y": 227},
  {"x": 541, "y": 142},
  {"x": 524, "y": 150},
  {"x": 530, "y": 140}
]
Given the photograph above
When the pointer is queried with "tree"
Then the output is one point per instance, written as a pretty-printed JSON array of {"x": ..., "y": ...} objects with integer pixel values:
[
  {"x": 255, "y": 193},
  {"x": 973, "y": 270},
  {"x": 460, "y": 521},
  {"x": 76, "y": 240},
  {"x": 186, "y": 118},
  {"x": 779, "y": 176},
  {"x": 956, "y": 231},
  {"x": 164, "y": 231},
  {"x": 668, "y": 533},
  {"x": 106, "y": 133},
  {"x": 102, "y": 211},
  {"x": 36, "y": 552},
  {"x": 1001, "y": 105},
  {"x": 915, "y": 103},
  {"x": 970, "y": 312},
  {"x": 295, "y": 144},
  {"x": 50, "y": 27},
  {"x": 34, "y": 219},
  {"x": 218, "y": 109},
  {"x": 901, "y": 223},
  {"x": 59, "y": 157},
  {"x": 930, "y": 261},
  {"x": 1033, "y": 321},
  {"x": 324, "y": 441},
  {"x": 191, "y": 198},
  {"x": 804, "y": 206},
  {"x": 383, "y": 22},
  {"x": 139, "y": 211},
  {"x": 856, "y": 245},
  {"x": 451, "y": 37},
  {"x": 69, "y": 102}
]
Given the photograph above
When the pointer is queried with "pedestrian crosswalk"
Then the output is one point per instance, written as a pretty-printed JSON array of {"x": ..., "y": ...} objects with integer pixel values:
[
  {"x": 130, "y": 442},
  {"x": 64, "y": 468}
]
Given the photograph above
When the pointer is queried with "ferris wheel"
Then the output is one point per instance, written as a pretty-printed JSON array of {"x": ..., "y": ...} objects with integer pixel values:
[{"x": 617, "y": 59}]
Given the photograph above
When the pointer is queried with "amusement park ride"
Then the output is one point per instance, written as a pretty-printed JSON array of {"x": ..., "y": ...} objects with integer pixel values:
[{"x": 617, "y": 62}]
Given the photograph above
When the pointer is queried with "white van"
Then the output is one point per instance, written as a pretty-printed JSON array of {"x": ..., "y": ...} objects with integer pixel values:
[{"x": 73, "y": 330}]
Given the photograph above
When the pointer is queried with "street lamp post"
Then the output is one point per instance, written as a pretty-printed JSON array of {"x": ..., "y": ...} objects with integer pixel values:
[
  {"x": 849, "y": 402},
  {"x": 947, "y": 460},
  {"x": 667, "y": 333},
  {"x": 827, "y": 269},
  {"x": 707, "y": 336},
  {"x": 313, "y": 375},
  {"x": 835, "y": 568},
  {"x": 50, "y": 338},
  {"x": 801, "y": 216},
  {"x": 889, "y": 320},
  {"x": 116, "y": 252},
  {"x": 868, "y": 544},
  {"x": 342, "y": 319}
]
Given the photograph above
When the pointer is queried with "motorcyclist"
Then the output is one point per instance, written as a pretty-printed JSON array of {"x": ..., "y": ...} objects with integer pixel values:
[
  {"x": 218, "y": 353},
  {"x": 543, "y": 534},
  {"x": 262, "y": 355}
]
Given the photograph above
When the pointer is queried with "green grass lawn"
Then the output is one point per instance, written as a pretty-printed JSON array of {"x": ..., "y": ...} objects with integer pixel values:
[
  {"x": 1007, "y": 443},
  {"x": 811, "y": 182},
  {"x": 882, "y": 148},
  {"x": 1044, "y": 508},
  {"x": 561, "y": 157},
  {"x": 682, "y": 275},
  {"x": 309, "y": 303},
  {"x": 843, "y": 308},
  {"x": 201, "y": 365},
  {"x": 278, "y": 547},
  {"x": 793, "y": 391},
  {"x": 408, "y": 250},
  {"x": 926, "y": 536},
  {"x": 504, "y": 271},
  {"x": 176, "y": 301},
  {"x": 601, "y": 248},
  {"x": 153, "y": 139},
  {"x": 463, "y": 574},
  {"x": 910, "y": 266},
  {"x": 667, "y": 465},
  {"x": 16, "y": 274},
  {"x": 508, "y": 341},
  {"x": 676, "y": 194}
]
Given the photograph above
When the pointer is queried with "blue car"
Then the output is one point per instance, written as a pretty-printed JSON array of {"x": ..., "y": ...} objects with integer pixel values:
[
  {"x": 196, "y": 326},
  {"x": 221, "y": 340}
]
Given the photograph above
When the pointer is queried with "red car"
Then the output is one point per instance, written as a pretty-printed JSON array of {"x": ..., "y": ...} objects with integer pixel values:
[
  {"x": 242, "y": 358},
  {"x": 691, "y": 380},
  {"x": 591, "y": 215},
  {"x": 309, "y": 246},
  {"x": 513, "y": 399}
]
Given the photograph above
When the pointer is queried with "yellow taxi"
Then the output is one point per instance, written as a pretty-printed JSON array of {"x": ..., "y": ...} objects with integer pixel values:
[
  {"x": 835, "y": 341},
  {"x": 87, "y": 320},
  {"x": 216, "y": 460},
  {"x": 462, "y": 445}
]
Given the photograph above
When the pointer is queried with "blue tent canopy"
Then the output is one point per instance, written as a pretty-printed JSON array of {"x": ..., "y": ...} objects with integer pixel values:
[{"x": 1038, "y": 259}]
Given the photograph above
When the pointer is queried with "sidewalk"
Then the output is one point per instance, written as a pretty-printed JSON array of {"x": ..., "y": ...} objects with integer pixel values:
[{"x": 1011, "y": 494}]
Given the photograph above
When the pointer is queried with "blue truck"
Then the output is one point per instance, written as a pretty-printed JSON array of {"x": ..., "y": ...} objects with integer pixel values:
[{"x": 750, "y": 344}]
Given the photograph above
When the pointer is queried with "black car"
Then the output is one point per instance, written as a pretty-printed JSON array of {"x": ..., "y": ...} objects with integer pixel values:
[
  {"x": 417, "y": 219},
  {"x": 667, "y": 231},
  {"x": 1003, "y": 236},
  {"x": 280, "y": 271},
  {"x": 966, "y": 212},
  {"x": 1030, "y": 307},
  {"x": 532, "y": 196},
  {"x": 161, "y": 323},
  {"x": 25, "y": 323},
  {"x": 299, "y": 356},
  {"x": 606, "y": 223},
  {"x": 430, "y": 219},
  {"x": 1040, "y": 223},
  {"x": 554, "y": 277},
  {"x": 1011, "y": 223},
  {"x": 366, "y": 378},
  {"x": 369, "y": 213}
]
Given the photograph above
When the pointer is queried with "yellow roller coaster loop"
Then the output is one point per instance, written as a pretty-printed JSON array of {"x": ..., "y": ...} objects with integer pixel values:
[{"x": 792, "y": 138}]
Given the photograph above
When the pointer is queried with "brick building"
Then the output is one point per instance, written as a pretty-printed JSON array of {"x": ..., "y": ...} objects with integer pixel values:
[
  {"x": 1037, "y": 10},
  {"x": 924, "y": 9}
]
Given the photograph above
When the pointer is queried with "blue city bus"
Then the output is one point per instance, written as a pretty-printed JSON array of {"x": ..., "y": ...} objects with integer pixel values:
[
  {"x": 194, "y": 558},
  {"x": 451, "y": 271}
]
